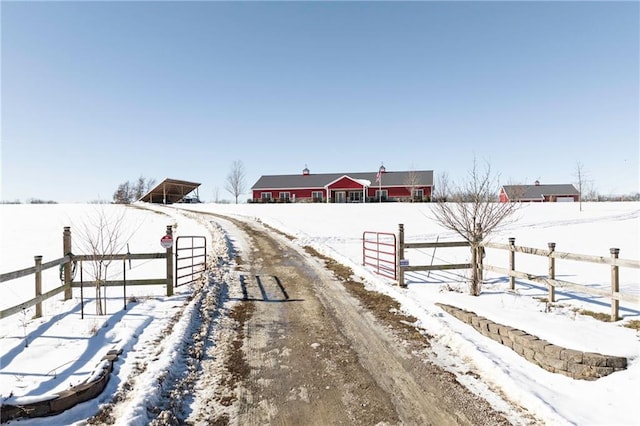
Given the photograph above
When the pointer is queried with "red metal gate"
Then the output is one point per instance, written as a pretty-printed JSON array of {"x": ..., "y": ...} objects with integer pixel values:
[
  {"x": 379, "y": 251},
  {"x": 191, "y": 258}
]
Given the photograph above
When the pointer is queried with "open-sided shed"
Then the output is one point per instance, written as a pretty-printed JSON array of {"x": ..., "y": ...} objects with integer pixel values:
[{"x": 171, "y": 191}]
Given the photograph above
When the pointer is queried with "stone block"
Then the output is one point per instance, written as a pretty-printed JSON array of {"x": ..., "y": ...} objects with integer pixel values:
[
  {"x": 524, "y": 339},
  {"x": 572, "y": 356},
  {"x": 594, "y": 359},
  {"x": 589, "y": 372},
  {"x": 514, "y": 333},
  {"x": 617, "y": 362},
  {"x": 65, "y": 400},
  {"x": 484, "y": 325},
  {"x": 550, "y": 363},
  {"x": 504, "y": 330},
  {"x": 517, "y": 348},
  {"x": 36, "y": 409},
  {"x": 538, "y": 345},
  {"x": 553, "y": 351},
  {"x": 465, "y": 317},
  {"x": 529, "y": 354},
  {"x": 507, "y": 342},
  {"x": 496, "y": 337},
  {"x": 116, "y": 352},
  {"x": 110, "y": 357},
  {"x": 494, "y": 328}
]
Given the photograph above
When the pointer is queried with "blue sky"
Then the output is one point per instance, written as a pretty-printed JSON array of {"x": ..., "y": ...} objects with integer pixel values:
[{"x": 98, "y": 93}]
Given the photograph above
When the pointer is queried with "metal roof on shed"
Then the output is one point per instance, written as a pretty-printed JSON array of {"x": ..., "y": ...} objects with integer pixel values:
[
  {"x": 169, "y": 191},
  {"x": 535, "y": 192}
]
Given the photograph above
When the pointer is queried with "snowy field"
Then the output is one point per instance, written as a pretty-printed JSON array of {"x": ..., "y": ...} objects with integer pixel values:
[{"x": 63, "y": 349}]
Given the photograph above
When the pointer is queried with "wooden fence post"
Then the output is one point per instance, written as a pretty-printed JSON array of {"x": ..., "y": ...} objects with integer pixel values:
[
  {"x": 480, "y": 256},
  {"x": 170, "y": 264},
  {"x": 400, "y": 255},
  {"x": 38, "y": 274},
  {"x": 552, "y": 272},
  {"x": 66, "y": 249},
  {"x": 124, "y": 283},
  {"x": 512, "y": 262},
  {"x": 615, "y": 284}
]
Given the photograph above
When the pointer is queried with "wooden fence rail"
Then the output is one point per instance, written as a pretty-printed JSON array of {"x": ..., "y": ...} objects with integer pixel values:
[
  {"x": 32, "y": 270},
  {"x": 547, "y": 279},
  {"x": 68, "y": 284},
  {"x": 629, "y": 263}
]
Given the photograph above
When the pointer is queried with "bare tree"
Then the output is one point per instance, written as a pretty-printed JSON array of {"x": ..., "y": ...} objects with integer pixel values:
[
  {"x": 411, "y": 182},
  {"x": 473, "y": 212},
  {"x": 129, "y": 192},
  {"x": 235, "y": 180},
  {"x": 580, "y": 176},
  {"x": 589, "y": 192},
  {"x": 123, "y": 194},
  {"x": 216, "y": 195},
  {"x": 142, "y": 186},
  {"x": 441, "y": 188},
  {"x": 100, "y": 237}
]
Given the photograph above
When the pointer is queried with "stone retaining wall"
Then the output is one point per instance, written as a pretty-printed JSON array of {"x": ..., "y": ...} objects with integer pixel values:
[
  {"x": 66, "y": 399},
  {"x": 553, "y": 358}
]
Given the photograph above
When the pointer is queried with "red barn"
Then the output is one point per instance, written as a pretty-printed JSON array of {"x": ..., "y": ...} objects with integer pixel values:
[{"x": 363, "y": 187}]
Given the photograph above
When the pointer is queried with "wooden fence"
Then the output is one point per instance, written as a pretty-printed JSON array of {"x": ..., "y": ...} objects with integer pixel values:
[
  {"x": 552, "y": 283},
  {"x": 404, "y": 267},
  {"x": 548, "y": 279},
  {"x": 67, "y": 284}
]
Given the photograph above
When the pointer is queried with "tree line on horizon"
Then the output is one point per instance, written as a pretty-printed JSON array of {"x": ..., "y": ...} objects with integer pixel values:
[{"x": 131, "y": 191}]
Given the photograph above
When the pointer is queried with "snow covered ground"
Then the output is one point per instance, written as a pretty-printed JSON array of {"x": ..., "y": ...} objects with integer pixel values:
[{"x": 64, "y": 349}]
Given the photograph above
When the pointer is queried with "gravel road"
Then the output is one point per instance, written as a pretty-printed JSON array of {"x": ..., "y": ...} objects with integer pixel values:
[{"x": 297, "y": 347}]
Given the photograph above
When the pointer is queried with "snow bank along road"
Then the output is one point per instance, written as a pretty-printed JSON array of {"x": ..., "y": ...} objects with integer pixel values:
[{"x": 278, "y": 335}]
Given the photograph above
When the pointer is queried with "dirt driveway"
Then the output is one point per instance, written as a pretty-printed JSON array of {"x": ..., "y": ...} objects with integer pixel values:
[{"x": 311, "y": 347}]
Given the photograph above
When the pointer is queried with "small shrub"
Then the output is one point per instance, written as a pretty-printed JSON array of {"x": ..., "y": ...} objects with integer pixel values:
[
  {"x": 449, "y": 287},
  {"x": 597, "y": 315},
  {"x": 93, "y": 330},
  {"x": 633, "y": 324}
]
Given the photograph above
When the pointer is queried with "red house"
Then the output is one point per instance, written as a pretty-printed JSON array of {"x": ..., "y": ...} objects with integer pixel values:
[
  {"x": 539, "y": 193},
  {"x": 363, "y": 187}
]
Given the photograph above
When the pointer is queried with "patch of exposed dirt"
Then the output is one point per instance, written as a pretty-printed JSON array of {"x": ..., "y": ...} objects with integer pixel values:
[
  {"x": 384, "y": 307},
  {"x": 235, "y": 363}
]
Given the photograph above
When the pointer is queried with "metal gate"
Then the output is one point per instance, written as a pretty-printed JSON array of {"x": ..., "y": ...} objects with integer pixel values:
[
  {"x": 191, "y": 258},
  {"x": 379, "y": 251}
]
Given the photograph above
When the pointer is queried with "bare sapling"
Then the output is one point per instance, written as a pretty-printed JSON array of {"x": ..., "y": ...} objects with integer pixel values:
[
  {"x": 101, "y": 237},
  {"x": 472, "y": 210},
  {"x": 24, "y": 321}
]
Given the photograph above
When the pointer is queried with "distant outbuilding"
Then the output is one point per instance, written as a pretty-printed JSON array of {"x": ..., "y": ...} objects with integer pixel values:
[
  {"x": 539, "y": 193},
  {"x": 171, "y": 191}
]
